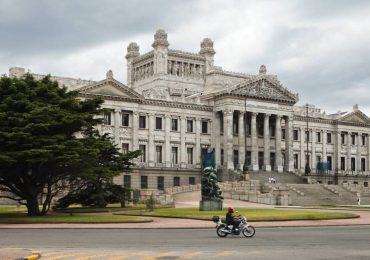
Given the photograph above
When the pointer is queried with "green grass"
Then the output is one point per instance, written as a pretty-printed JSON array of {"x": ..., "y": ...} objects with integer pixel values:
[
  {"x": 251, "y": 213},
  {"x": 109, "y": 208},
  {"x": 12, "y": 209},
  {"x": 22, "y": 218}
]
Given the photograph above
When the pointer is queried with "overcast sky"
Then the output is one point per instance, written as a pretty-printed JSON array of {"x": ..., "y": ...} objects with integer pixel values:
[{"x": 319, "y": 49}]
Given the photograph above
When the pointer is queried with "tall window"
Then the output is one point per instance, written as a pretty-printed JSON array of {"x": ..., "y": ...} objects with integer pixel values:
[
  {"x": 204, "y": 127},
  {"x": 175, "y": 155},
  {"x": 221, "y": 124},
  {"x": 353, "y": 138},
  {"x": 295, "y": 135},
  {"x": 318, "y": 137},
  {"x": 176, "y": 181},
  {"x": 107, "y": 118},
  {"x": 158, "y": 123},
  {"x": 175, "y": 124},
  {"x": 190, "y": 155},
  {"x": 189, "y": 127},
  {"x": 160, "y": 183},
  {"x": 283, "y": 134},
  {"x": 295, "y": 161},
  {"x": 158, "y": 150},
  {"x": 142, "y": 121},
  {"x": 328, "y": 138},
  {"x": 144, "y": 182},
  {"x": 125, "y": 148},
  {"x": 363, "y": 164},
  {"x": 342, "y": 163},
  {"x": 125, "y": 119},
  {"x": 127, "y": 181},
  {"x": 307, "y": 136},
  {"x": 142, "y": 156},
  {"x": 191, "y": 180},
  {"x": 222, "y": 157},
  {"x": 363, "y": 138},
  {"x": 343, "y": 139}
]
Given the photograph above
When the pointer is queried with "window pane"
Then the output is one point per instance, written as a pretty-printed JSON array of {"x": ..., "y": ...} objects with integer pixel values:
[
  {"x": 176, "y": 181},
  {"x": 204, "y": 127},
  {"x": 158, "y": 123},
  {"x": 190, "y": 126},
  {"x": 142, "y": 122},
  {"x": 142, "y": 156},
  {"x": 125, "y": 119},
  {"x": 174, "y": 126},
  {"x": 160, "y": 183},
  {"x": 107, "y": 118},
  {"x": 144, "y": 182},
  {"x": 125, "y": 148}
]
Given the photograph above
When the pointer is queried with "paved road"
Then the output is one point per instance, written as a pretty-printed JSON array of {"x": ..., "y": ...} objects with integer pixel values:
[{"x": 350, "y": 242}]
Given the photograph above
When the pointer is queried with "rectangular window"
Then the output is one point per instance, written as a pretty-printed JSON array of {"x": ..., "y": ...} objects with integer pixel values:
[
  {"x": 342, "y": 163},
  {"x": 191, "y": 180},
  {"x": 127, "y": 181},
  {"x": 144, "y": 182},
  {"x": 363, "y": 164},
  {"x": 222, "y": 157},
  {"x": 142, "y": 156},
  {"x": 328, "y": 138},
  {"x": 190, "y": 155},
  {"x": 176, "y": 181},
  {"x": 295, "y": 135},
  {"x": 158, "y": 150},
  {"x": 107, "y": 118},
  {"x": 174, "y": 124},
  {"x": 125, "y": 119},
  {"x": 142, "y": 122},
  {"x": 189, "y": 127},
  {"x": 353, "y": 138},
  {"x": 160, "y": 183},
  {"x": 236, "y": 158},
  {"x": 158, "y": 123},
  {"x": 175, "y": 155},
  {"x": 363, "y": 138},
  {"x": 221, "y": 124},
  {"x": 343, "y": 139},
  {"x": 125, "y": 147},
  {"x": 329, "y": 161},
  {"x": 295, "y": 161},
  {"x": 283, "y": 134},
  {"x": 204, "y": 127},
  {"x": 318, "y": 137},
  {"x": 307, "y": 136}
]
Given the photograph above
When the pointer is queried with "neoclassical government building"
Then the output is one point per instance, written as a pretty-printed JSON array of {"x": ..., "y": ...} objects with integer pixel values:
[{"x": 176, "y": 104}]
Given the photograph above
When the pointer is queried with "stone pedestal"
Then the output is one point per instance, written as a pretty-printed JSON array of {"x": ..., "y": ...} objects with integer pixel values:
[{"x": 210, "y": 205}]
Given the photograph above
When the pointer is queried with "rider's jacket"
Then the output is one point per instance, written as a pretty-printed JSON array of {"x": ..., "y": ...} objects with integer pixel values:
[{"x": 229, "y": 218}]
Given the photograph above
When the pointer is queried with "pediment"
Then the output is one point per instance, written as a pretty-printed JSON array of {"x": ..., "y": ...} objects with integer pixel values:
[
  {"x": 355, "y": 117},
  {"x": 264, "y": 88},
  {"x": 110, "y": 87}
]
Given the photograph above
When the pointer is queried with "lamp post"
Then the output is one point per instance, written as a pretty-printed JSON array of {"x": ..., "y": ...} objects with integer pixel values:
[{"x": 307, "y": 169}]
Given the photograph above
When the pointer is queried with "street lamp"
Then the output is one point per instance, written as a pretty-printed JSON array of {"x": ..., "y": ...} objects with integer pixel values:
[{"x": 245, "y": 168}]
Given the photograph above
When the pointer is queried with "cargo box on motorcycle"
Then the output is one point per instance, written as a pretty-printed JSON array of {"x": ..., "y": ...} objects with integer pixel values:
[{"x": 215, "y": 219}]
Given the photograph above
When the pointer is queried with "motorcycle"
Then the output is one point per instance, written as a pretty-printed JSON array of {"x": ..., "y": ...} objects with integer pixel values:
[{"x": 223, "y": 230}]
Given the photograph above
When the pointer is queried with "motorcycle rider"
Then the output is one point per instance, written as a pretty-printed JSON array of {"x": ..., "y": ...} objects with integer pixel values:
[{"x": 232, "y": 219}]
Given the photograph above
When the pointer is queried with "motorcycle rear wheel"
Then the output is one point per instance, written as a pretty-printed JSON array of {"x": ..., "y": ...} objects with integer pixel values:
[
  {"x": 249, "y": 231},
  {"x": 220, "y": 233}
]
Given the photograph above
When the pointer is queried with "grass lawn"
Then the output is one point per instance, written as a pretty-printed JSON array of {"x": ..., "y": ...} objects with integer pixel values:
[
  {"x": 252, "y": 214},
  {"x": 18, "y": 215},
  {"x": 109, "y": 208}
]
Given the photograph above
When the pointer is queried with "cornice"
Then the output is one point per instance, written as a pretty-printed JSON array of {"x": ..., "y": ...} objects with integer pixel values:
[
  {"x": 143, "y": 57},
  {"x": 187, "y": 55},
  {"x": 329, "y": 121}
]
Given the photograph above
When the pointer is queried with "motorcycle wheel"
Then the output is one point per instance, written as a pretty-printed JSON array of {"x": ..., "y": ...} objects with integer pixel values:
[
  {"x": 249, "y": 231},
  {"x": 220, "y": 233}
]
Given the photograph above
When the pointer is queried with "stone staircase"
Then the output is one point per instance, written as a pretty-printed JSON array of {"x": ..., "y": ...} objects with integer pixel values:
[{"x": 282, "y": 177}]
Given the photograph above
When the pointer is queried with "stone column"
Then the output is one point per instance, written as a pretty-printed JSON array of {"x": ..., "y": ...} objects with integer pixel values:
[
  {"x": 254, "y": 143},
  {"x": 358, "y": 152},
  {"x": 228, "y": 139},
  {"x": 349, "y": 143},
  {"x": 337, "y": 150},
  {"x": 117, "y": 125},
  {"x": 303, "y": 149},
  {"x": 135, "y": 129},
  {"x": 197, "y": 142},
  {"x": 313, "y": 151},
  {"x": 151, "y": 148},
  {"x": 266, "y": 144},
  {"x": 289, "y": 157},
  {"x": 241, "y": 141},
  {"x": 278, "y": 162},
  {"x": 167, "y": 141},
  {"x": 324, "y": 141},
  {"x": 183, "y": 161},
  {"x": 216, "y": 140}
]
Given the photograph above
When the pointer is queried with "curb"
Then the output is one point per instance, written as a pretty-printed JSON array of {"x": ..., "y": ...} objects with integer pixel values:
[{"x": 34, "y": 256}]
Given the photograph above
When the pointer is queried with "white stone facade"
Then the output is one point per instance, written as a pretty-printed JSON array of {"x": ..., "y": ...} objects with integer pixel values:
[{"x": 177, "y": 103}]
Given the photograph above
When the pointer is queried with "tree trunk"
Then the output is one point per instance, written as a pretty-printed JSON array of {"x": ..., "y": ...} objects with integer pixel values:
[{"x": 33, "y": 207}]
